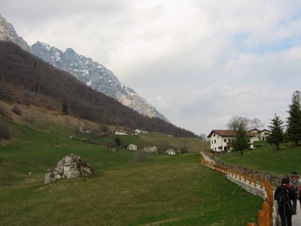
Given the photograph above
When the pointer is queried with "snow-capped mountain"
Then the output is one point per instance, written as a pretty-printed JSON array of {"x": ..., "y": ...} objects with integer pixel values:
[
  {"x": 91, "y": 73},
  {"x": 94, "y": 75},
  {"x": 8, "y": 33}
]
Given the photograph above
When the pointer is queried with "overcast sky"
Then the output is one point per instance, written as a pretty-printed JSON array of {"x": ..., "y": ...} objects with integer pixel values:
[{"x": 198, "y": 62}]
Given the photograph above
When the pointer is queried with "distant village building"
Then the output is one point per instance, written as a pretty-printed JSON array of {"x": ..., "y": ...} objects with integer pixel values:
[
  {"x": 120, "y": 132},
  {"x": 151, "y": 149},
  {"x": 84, "y": 130},
  {"x": 138, "y": 131},
  {"x": 221, "y": 140},
  {"x": 131, "y": 147},
  {"x": 171, "y": 151}
]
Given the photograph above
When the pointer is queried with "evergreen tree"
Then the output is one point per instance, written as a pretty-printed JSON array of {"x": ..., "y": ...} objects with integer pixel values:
[
  {"x": 294, "y": 120},
  {"x": 241, "y": 141},
  {"x": 276, "y": 136}
]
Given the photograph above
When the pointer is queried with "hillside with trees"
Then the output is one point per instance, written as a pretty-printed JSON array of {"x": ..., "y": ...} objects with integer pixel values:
[{"x": 25, "y": 79}]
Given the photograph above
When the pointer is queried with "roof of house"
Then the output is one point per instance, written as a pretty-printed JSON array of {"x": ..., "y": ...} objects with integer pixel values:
[
  {"x": 254, "y": 130},
  {"x": 260, "y": 131},
  {"x": 227, "y": 133},
  {"x": 265, "y": 130}
]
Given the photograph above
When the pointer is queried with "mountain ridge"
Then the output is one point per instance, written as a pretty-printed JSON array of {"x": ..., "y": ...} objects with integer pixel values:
[
  {"x": 26, "y": 79},
  {"x": 90, "y": 72}
]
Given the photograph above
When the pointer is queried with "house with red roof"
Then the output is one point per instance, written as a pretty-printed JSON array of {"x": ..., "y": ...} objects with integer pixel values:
[{"x": 221, "y": 140}]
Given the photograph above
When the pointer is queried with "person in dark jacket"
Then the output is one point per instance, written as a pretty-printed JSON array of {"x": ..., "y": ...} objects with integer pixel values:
[{"x": 285, "y": 211}]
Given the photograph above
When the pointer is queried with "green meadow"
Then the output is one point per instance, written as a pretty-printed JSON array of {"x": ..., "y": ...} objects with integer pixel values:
[
  {"x": 157, "y": 190},
  {"x": 267, "y": 159}
]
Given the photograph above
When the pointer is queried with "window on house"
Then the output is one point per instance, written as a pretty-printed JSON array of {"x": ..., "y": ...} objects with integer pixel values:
[
  {"x": 225, "y": 140},
  {"x": 215, "y": 141}
]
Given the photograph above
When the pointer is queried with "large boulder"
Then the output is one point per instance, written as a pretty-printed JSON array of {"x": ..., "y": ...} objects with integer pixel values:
[{"x": 71, "y": 166}]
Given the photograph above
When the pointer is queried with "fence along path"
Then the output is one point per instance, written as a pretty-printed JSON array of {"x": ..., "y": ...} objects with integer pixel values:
[{"x": 268, "y": 215}]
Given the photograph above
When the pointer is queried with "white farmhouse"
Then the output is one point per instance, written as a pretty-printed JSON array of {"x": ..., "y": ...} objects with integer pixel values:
[
  {"x": 264, "y": 134},
  {"x": 260, "y": 135},
  {"x": 221, "y": 140}
]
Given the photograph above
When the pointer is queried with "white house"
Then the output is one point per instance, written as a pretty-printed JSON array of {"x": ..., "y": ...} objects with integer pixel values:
[
  {"x": 264, "y": 134},
  {"x": 131, "y": 147},
  {"x": 260, "y": 135},
  {"x": 221, "y": 140},
  {"x": 138, "y": 131},
  {"x": 120, "y": 132},
  {"x": 256, "y": 133},
  {"x": 171, "y": 151}
]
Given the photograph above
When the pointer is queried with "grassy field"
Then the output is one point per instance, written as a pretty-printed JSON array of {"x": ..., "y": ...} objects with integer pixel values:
[
  {"x": 266, "y": 158},
  {"x": 166, "y": 190}
]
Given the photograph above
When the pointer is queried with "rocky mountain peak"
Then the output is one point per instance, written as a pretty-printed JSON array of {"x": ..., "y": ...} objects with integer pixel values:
[
  {"x": 92, "y": 73},
  {"x": 8, "y": 33}
]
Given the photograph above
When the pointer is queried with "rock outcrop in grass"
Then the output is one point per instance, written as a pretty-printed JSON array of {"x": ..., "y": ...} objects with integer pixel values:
[{"x": 71, "y": 166}]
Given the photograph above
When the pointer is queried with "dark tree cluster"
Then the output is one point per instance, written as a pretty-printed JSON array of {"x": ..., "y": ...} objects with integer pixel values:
[
  {"x": 293, "y": 126},
  {"x": 26, "y": 79}
]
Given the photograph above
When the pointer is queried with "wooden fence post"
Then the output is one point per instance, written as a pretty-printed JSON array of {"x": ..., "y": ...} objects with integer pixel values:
[
  {"x": 250, "y": 179},
  {"x": 261, "y": 182},
  {"x": 265, "y": 207},
  {"x": 261, "y": 218}
]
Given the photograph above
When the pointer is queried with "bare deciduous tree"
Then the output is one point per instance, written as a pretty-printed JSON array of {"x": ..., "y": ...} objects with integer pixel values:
[
  {"x": 255, "y": 124},
  {"x": 238, "y": 122}
]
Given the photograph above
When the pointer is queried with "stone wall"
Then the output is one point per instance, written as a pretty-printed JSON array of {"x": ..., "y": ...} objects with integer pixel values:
[{"x": 274, "y": 179}]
